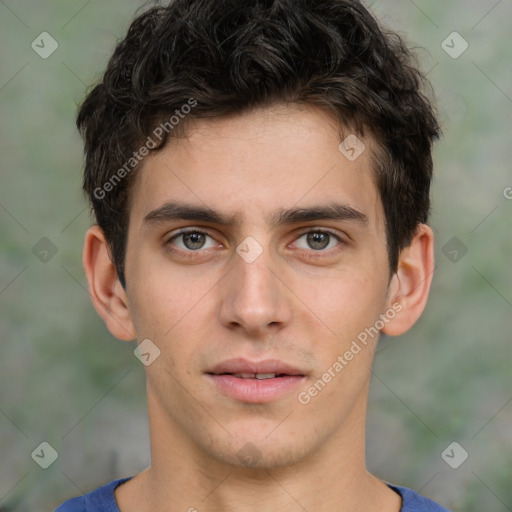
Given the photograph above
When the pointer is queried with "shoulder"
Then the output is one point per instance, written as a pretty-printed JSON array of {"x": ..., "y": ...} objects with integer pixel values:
[
  {"x": 414, "y": 502},
  {"x": 101, "y": 499}
]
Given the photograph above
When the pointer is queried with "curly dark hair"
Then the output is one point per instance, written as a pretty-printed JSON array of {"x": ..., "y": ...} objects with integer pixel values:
[{"x": 219, "y": 57}]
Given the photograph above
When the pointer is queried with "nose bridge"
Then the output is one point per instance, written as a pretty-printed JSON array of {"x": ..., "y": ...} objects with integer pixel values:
[{"x": 254, "y": 297}]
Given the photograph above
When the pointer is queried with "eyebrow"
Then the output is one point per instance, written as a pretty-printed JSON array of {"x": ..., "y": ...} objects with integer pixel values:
[{"x": 174, "y": 210}]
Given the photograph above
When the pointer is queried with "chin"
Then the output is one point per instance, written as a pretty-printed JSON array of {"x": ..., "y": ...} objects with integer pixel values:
[{"x": 263, "y": 453}]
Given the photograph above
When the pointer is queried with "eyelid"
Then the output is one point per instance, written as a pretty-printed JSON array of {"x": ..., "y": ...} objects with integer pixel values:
[
  {"x": 184, "y": 231},
  {"x": 318, "y": 229}
]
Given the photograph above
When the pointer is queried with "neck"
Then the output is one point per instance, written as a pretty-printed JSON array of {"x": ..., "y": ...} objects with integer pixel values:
[{"x": 184, "y": 477}]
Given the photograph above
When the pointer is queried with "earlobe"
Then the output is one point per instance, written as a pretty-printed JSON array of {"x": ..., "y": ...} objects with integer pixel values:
[
  {"x": 411, "y": 284},
  {"x": 107, "y": 294}
]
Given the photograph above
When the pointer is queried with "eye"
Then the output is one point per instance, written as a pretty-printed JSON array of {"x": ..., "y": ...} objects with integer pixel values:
[
  {"x": 319, "y": 240},
  {"x": 192, "y": 240}
]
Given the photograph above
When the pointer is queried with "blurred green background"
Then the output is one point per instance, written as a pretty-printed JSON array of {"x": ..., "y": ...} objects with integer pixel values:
[{"x": 65, "y": 380}]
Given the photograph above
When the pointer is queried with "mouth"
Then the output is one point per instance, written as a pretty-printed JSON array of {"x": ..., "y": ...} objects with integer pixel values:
[
  {"x": 258, "y": 376},
  {"x": 255, "y": 382},
  {"x": 246, "y": 369}
]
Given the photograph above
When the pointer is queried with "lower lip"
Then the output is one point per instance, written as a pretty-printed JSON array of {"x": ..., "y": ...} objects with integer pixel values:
[{"x": 256, "y": 390}]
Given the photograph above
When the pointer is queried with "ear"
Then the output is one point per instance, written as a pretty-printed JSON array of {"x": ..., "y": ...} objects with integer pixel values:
[
  {"x": 107, "y": 295},
  {"x": 410, "y": 285}
]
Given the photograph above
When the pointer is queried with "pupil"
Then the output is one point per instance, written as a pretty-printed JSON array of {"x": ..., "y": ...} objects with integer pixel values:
[
  {"x": 193, "y": 238},
  {"x": 318, "y": 238}
]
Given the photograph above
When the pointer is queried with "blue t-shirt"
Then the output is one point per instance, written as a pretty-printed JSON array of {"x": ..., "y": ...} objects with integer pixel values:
[{"x": 103, "y": 500}]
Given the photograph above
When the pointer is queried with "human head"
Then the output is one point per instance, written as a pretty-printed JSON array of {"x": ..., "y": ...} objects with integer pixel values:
[
  {"x": 212, "y": 58},
  {"x": 263, "y": 167}
]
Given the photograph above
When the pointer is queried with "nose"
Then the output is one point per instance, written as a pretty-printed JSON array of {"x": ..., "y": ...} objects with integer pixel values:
[{"x": 254, "y": 296}]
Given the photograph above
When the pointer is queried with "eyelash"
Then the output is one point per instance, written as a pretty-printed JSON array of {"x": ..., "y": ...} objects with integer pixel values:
[{"x": 191, "y": 254}]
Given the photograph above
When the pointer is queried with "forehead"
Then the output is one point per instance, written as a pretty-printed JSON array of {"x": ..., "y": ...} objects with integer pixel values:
[{"x": 250, "y": 166}]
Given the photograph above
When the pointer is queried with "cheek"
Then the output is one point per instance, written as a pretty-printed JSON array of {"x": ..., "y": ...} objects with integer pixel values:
[
  {"x": 349, "y": 307},
  {"x": 169, "y": 306},
  {"x": 347, "y": 303},
  {"x": 162, "y": 293}
]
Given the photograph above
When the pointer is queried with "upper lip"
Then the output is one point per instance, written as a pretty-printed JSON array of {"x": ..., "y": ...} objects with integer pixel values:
[{"x": 240, "y": 365}]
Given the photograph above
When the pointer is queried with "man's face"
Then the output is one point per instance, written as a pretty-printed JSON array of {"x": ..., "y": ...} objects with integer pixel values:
[{"x": 283, "y": 295}]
